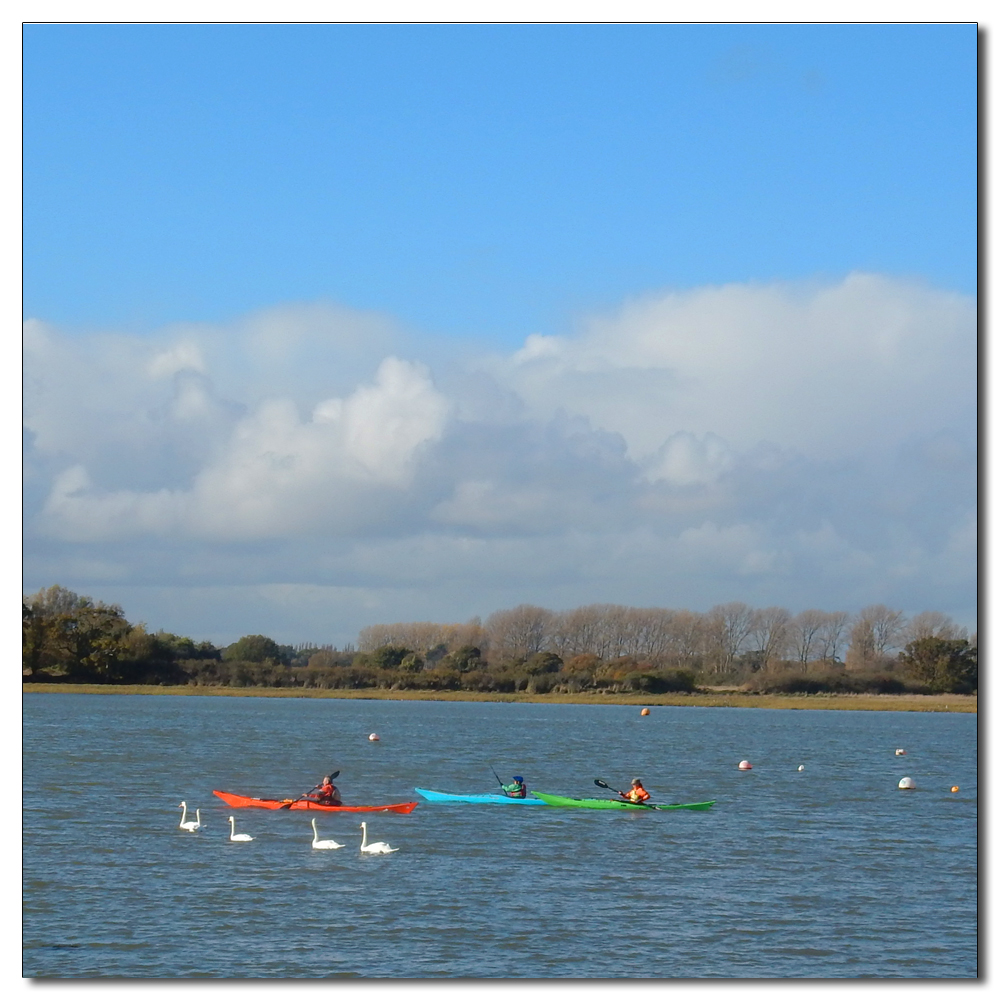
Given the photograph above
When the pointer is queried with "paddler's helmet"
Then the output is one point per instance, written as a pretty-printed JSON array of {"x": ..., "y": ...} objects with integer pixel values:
[{"x": 518, "y": 778}]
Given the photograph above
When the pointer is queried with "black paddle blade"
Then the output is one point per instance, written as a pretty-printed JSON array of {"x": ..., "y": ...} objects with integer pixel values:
[{"x": 602, "y": 784}]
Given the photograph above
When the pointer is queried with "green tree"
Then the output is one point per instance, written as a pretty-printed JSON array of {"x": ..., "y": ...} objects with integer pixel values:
[
  {"x": 33, "y": 633},
  {"x": 254, "y": 649},
  {"x": 412, "y": 662},
  {"x": 96, "y": 639},
  {"x": 63, "y": 631},
  {"x": 464, "y": 659},
  {"x": 946, "y": 665},
  {"x": 543, "y": 663},
  {"x": 389, "y": 657}
]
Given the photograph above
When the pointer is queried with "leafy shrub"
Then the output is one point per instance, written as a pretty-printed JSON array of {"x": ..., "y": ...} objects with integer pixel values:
[
  {"x": 255, "y": 649},
  {"x": 543, "y": 663},
  {"x": 541, "y": 683},
  {"x": 944, "y": 665},
  {"x": 464, "y": 659}
]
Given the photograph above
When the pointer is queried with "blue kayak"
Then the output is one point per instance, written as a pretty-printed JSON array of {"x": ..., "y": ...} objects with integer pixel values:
[{"x": 446, "y": 797}]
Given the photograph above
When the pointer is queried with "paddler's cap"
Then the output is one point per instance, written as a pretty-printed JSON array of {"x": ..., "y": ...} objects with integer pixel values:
[
  {"x": 328, "y": 780},
  {"x": 636, "y": 781},
  {"x": 518, "y": 777}
]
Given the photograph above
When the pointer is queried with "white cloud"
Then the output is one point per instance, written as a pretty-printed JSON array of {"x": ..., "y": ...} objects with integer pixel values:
[
  {"x": 278, "y": 475},
  {"x": 823, "y": 369},
  {"x": 808, "y": 445},
  {"x": 684, "y": 459},
  {"x": 179, "y": 357}
]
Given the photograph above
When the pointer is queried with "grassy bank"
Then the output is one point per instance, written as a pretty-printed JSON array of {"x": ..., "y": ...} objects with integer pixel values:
[{"x": 699, "y": 699}]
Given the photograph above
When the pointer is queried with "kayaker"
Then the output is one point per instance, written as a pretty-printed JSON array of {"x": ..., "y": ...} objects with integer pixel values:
[
  {"x": 327, "y": 793},
  {"x": 517, "y": 789},
  {"x": 636, "y": 793}
]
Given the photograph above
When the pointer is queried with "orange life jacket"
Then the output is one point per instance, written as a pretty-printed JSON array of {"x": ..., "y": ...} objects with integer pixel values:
[
  {"x": 638, "y": 794},
  {"x": 328, "y": 795}
]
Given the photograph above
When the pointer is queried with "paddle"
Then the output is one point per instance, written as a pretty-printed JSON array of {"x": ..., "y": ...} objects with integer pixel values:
[
  {"x": 288, "y": 805},
  {"x": 604, "y": 784}
]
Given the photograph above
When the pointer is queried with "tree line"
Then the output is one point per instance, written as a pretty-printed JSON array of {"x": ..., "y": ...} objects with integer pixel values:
[
  {"x": 765, "y": 649},
  {"x": 71, "y": 638},
  {"x": 599, "y": 647}
]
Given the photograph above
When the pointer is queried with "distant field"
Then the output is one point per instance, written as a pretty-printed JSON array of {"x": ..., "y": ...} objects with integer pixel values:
[{"x": 702, "y": 699}]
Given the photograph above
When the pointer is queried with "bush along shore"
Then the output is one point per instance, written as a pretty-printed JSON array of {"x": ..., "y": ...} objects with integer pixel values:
[{"x": 69, "y": 641}]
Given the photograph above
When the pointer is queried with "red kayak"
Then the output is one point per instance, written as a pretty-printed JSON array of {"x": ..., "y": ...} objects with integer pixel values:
[{"x": 241, "y": 801}]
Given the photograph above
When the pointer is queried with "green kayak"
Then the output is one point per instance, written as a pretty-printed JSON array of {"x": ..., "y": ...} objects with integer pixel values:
[{"x": 562, "y": 800}]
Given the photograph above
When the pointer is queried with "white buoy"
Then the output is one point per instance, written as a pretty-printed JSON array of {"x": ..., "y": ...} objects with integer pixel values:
[
  {"x": 802, "y": 767},
  {"x": 373, "y": 737},
  {"x": 907, "y": 783},
  {"x": 745, "y": 765},
  {"x": 899, "y": 753}
]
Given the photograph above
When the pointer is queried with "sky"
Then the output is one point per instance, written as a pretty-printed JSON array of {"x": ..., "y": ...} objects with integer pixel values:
[{"x": 334, "y": 325}]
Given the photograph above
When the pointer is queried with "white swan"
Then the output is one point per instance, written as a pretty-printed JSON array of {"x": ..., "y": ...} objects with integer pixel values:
[
  {"x": 379, "y": 847},
  {"x": 323, "y": 845},
  {"x": 191, "y": 825},
  {"x": 233, "y": 835}
]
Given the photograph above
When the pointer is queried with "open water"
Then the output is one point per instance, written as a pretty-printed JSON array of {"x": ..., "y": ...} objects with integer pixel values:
[{"x": 828, "y": 872}]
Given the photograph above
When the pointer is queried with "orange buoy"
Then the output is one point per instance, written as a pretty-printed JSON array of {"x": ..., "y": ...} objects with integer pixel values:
[
  {"x": 954, "y": 788},
  {"x": 745, "y": 765},
  {"x": 645, "y": 711},
  {"x": 374, "y": 737}
]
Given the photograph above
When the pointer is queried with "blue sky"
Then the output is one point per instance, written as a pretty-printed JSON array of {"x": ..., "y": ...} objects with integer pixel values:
[
  {"x": 485, "y": 181},
  {"x": 336, "y": 325}
]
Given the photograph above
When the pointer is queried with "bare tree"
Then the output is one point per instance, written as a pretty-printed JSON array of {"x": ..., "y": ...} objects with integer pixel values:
[
  {"x": 769, "y": 631},
  {"x": 604, "y": 636},
  {"x": 616, "y": 621},
  {"x": 730, "y": 626},
  {"x": 875, "y": 631},
  {"x": 422, "y": 636},
  {"x": 520, "y": 632},
  {"x": 414, "y": 635},
  {"x": 688, "y": 637},
  {"x": 651, "y": 632},
  {"x": 471, "y": 633},
  {"x": 576, "y": 632},
  {"x": 831, "y": 634},
  {"x": 933, "y": 625},
  {"x": 609, "y": 631},
  {"x": 804, "y": 632}
]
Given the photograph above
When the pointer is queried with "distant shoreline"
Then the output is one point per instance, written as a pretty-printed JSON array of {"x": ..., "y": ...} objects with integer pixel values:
[{"x": 701, "y": 699}]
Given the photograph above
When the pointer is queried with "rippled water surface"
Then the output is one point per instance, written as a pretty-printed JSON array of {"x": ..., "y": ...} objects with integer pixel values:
[{"x": 827, "y": 872}]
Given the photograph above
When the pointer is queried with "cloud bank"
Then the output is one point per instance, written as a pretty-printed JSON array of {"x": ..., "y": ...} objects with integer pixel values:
[{"x": 310, "y": 470}]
